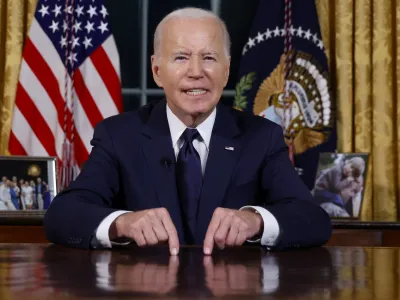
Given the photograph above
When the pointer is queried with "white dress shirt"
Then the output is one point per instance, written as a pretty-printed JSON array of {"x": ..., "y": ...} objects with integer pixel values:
[{"x": 177, "y": 127}]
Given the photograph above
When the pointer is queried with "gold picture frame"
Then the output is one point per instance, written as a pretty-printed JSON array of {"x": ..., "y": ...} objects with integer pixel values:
[{"x": 340, "y": 183}]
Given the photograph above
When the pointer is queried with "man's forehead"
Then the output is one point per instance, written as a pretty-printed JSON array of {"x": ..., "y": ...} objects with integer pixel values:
[
  {"x": 194, "y": 41},
  {"x": 192, "y": 28}
]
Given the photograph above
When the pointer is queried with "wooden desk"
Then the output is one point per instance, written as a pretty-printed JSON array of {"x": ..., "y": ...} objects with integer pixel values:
[
  {"x": 364, "y": 234},
  {"x": 54, "y": 272}
]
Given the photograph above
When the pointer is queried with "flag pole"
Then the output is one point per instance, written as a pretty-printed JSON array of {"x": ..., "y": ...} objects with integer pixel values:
[
  {"x": 288, "y": 50},
  {"x": 66, "y": 171},
  {"x": 71, "y": 158}
]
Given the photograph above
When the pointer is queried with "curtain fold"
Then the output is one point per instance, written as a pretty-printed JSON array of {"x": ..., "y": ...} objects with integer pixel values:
[
  {"x": 15, "y": 17},
  {"x": 362, "y": 40}
]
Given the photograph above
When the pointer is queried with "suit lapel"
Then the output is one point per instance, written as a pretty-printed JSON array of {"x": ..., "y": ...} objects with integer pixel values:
[
  {"x": 160, "y": 158},
  {"x": 223, "y": 154}
]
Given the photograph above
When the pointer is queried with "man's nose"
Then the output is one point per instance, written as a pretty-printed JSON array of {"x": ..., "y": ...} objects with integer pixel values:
[{"x": 195, "y": 68}]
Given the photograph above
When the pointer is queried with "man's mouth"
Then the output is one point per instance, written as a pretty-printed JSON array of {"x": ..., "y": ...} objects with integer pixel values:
[{"x": 196, "y": 92}]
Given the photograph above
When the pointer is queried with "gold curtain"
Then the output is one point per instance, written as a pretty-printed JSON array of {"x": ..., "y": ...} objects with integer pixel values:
[
  {"x": 362, "y": 38},
  {"x": 15, "y": 18}
]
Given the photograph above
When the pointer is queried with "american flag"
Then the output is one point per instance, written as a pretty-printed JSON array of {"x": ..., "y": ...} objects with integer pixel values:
[{"x": 69, "y": 81}]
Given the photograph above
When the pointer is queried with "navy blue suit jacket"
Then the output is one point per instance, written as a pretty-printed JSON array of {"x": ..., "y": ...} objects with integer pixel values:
[{"x": 129, "y": 168}]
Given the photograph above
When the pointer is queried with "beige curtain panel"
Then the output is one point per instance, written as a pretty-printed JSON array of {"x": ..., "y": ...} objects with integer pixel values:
[{"x": 362, "y": 39}]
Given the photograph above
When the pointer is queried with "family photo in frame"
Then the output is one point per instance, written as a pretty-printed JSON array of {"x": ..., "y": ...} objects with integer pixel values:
[
  {"x": 28, "y": 184},
  {"x": 340, "y": 183}
]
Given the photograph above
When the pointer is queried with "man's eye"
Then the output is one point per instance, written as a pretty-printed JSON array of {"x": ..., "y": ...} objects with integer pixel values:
[
  {"x": 180, "y": 57},
  {"x": 209, "y": 58}
]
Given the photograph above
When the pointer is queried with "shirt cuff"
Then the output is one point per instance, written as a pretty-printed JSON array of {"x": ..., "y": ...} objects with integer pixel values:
[
  {"x": 271, "y": 226},
  {"x": 101, "y": 239}
]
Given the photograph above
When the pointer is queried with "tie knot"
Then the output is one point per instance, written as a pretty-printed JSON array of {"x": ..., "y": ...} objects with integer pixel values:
[{"x": 190, "y": 134}]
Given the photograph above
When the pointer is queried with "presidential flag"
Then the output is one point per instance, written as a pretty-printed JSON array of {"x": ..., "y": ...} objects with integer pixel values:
[
  {"x": 283, "y": 77},
  {"x": 69, "y": 81}
]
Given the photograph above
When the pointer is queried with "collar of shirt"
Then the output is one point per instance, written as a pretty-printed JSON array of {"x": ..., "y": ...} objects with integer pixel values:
[{"x": 177, "y": 127}]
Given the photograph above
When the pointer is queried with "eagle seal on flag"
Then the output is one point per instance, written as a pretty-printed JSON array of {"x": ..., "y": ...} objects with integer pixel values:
[
  {"x": 283, "y": 77},
  {"x": 309, "y": 102}
]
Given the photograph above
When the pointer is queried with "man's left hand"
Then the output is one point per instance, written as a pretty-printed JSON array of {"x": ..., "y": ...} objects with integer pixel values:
[{"x": 229, "y": 227}]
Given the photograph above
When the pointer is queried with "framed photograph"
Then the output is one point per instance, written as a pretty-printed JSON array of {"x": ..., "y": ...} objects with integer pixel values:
[
  {"x": 339, "y": 184},
  {"x": 27, "y": 186}
]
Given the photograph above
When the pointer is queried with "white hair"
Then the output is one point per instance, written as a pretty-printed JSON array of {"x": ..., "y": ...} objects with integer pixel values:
[{"x": 192, "y": 13}]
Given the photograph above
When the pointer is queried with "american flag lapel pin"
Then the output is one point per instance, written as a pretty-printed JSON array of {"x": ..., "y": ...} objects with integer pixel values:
[{"x": 229, "y": 148}]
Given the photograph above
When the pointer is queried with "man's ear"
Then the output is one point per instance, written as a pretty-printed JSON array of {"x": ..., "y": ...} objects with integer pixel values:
[{"x": 156, "y": 70}]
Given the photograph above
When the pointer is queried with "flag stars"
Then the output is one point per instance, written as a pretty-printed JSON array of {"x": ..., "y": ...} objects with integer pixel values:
[
  {"x": 260, "y": 37},
  {"x": 276, "y": 31},
  {"x": 65, "y": 26},
  {"x": 44, "y": 10},
  {"x": 68, "y": 9},
  {"x": 92, "y": 11},
  {"x": 54, "y": 26},
  {"x": 300, "y": 32},
  {"x": 103, "y": 27},
  {"x": 56, "y": 10},
  {"x": 251, "y": 42},
  {"x": 244, "y": 50},
  {"x": 268, "y": 34},
  {"x": 307, "y": 34},
  {"x": 89, "y": 27},
  {"x": 63, "y": 42},
  {"x": 282, "y": 32},
  {"x": 292, "y": 30},
  {"x": 72, "y": 58},
  {"x": 87, "y": 42},
  {"x": 79, "y": 11},
  {"x": 77, "y": 26},
  {"x": 75, "y": 42},
  {"x": 103, "y": 11}
]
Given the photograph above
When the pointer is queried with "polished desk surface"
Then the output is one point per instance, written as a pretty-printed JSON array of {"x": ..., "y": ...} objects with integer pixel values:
[{"x": 32, "y": 271}]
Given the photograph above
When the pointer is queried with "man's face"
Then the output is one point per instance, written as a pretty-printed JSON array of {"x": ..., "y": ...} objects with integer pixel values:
[
  {"x": 39, "y": 180},
  {"x": 193, "y": 68},
  {"x": 347, "y": 169}
]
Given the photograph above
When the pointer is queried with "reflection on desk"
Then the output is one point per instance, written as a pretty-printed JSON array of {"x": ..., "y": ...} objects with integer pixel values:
[{"x": 32, "y": 271}]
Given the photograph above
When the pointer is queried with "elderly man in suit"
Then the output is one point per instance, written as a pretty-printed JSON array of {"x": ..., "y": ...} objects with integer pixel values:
[{"x": 186, "y": 169}]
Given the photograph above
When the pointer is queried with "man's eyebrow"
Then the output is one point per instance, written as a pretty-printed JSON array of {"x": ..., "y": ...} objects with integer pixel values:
[
  {"x": 210, "y": 53},
  {"x": 180, "y": 52}
]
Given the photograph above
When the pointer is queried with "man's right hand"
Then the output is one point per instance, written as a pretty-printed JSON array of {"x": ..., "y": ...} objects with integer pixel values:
[{"x": 146, "y": 227}]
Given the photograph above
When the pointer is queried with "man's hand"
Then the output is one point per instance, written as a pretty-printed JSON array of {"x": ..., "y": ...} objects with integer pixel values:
[
  {"x": 229, "y": 227},
  {"x": 147, "y": 227}
]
